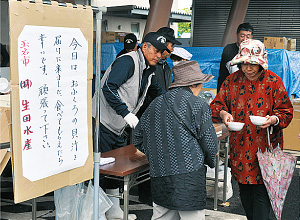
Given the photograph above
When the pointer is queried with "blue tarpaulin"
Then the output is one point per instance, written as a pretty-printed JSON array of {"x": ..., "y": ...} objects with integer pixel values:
[{"x": 286, "y": 64}]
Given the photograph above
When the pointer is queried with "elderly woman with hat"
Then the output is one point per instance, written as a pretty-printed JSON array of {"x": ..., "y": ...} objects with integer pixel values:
[
  {"x": 252, "y": 90},
  {"x": 176, "y": 134}
]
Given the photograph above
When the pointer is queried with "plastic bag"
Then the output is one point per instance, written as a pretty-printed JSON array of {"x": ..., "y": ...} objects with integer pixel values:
[
  {"x": 87, "y": 207},
  {"x": 76, "y": 202},
  {"x": 67, "y": 201},
  {"x": 210, "y": 189}
]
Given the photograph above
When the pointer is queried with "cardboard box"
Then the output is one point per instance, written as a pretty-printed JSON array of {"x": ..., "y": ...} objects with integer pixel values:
[
  {"x": 81, "y": 19},
  {"x": 296, "y": 106},
  {"x": 291, "y": 44},
  {"x": 107, "y": 41},
  {"x": 290, "y": 134},
  {"x": 110, "y": 36},
  {"x": 120, "y": 36},
  {"x": 5, "y": 155},
  {"x": 275, "y": 42},
  {"x": 4, "y": 124},
  {"x": 106, "y": 37}
]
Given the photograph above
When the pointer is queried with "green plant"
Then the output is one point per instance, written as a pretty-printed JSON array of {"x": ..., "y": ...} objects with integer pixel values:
[{"x": 184, "y": 27}]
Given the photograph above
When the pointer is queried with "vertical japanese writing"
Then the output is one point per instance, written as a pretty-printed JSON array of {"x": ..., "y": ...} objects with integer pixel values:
[
  {"x": 26, "y": 117},
  {"x": 74, "y": 130},
  {"x": 74, "y": 44},
  {"x": 26, "y": 84},
  {"x": 43, "y": 54},
  {"x": 59, "y": 105},
  {"x": 43, "y": 95},
  {"x": 24, "y": 48},
  {"x": 43, "y": 92},
  {"x": 74, "y": 90}
]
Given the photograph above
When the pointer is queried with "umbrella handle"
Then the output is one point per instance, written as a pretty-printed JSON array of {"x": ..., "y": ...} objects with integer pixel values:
[{"x": 269, "y": 142}]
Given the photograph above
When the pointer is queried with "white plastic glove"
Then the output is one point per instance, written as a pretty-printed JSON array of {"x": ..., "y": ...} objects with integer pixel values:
[{"x": 131, "y": 119}]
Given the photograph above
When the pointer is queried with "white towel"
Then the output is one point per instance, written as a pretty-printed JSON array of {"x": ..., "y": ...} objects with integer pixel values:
[{"x": 106, "y": 160}]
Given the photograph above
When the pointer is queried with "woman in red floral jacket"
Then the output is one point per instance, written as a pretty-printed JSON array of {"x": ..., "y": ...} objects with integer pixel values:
[{"x": 252, "y": 90}]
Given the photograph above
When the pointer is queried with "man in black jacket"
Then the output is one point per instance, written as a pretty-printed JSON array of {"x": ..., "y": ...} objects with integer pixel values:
[
  {"x": 163, "y": 71},
  {"x": 244, "y": 32},
  {"x": 130, "y": 44}
]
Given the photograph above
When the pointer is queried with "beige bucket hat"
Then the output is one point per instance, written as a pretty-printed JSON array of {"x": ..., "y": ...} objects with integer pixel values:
[{"x": 187, "y": 73}]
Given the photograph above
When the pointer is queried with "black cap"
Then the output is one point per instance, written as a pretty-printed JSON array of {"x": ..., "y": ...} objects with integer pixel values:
[
  {"x": 130, "y": 41},
  {"x": 157, "y": 40},
  {"x": 169, "y": 34}
]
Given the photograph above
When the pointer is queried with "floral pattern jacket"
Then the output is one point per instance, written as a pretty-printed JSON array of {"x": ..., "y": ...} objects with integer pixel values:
[{"x": 242, "y": 98}]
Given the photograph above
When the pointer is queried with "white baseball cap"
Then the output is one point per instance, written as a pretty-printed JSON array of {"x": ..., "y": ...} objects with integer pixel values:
[{"x": 183, "y": 53}]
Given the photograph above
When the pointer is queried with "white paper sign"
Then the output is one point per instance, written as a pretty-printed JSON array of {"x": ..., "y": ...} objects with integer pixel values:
[{"x": 52, "y": 65}]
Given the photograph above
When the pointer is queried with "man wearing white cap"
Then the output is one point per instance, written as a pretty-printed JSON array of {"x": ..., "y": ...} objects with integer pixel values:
[
  {"x": 176, "y": 134},
  {"x": 180, "y": 54}
]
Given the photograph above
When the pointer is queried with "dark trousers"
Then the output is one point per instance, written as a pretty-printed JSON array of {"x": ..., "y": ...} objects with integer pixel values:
[
  {"x": 145, "y": 192},
  {"x": 255, "y": 201},
  {"x": 110, "y": 141}
]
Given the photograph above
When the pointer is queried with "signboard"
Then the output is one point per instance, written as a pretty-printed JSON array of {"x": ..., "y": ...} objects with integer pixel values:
[
  {"x": 52, "y": 91},
  {"x": 51, "y": 73}
]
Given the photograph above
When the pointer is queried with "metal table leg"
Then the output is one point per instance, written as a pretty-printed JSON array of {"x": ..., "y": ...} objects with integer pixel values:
[
  {"x": 33, "y": 209},
  {"x": 225, "y": 170},
  {"x": 129, "y": 180},
  {"x": 126, "y": 196},
  {"x": 216, "y": 179}
]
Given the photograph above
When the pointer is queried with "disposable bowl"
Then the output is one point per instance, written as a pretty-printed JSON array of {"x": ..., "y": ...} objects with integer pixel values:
[
  {"x": 235, "y": 126},
  {"x": 257, "y": 120}
]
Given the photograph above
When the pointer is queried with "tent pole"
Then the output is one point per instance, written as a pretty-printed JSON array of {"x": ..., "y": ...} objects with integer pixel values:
[{"x": 96, "y": 133}]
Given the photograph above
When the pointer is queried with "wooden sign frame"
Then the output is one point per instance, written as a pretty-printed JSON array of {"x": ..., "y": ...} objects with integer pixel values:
[{"x": 23, "y": 13}]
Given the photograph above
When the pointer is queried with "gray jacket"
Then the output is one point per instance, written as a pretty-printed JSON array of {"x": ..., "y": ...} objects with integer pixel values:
[{"x": 128, "y": 92}]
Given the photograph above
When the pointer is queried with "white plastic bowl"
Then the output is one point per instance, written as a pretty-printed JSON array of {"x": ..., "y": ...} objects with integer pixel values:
[
  {"x": 4, "y": 85},
  {"x": 235, "y": 126},
  {"x": 257, "y": 120}
]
